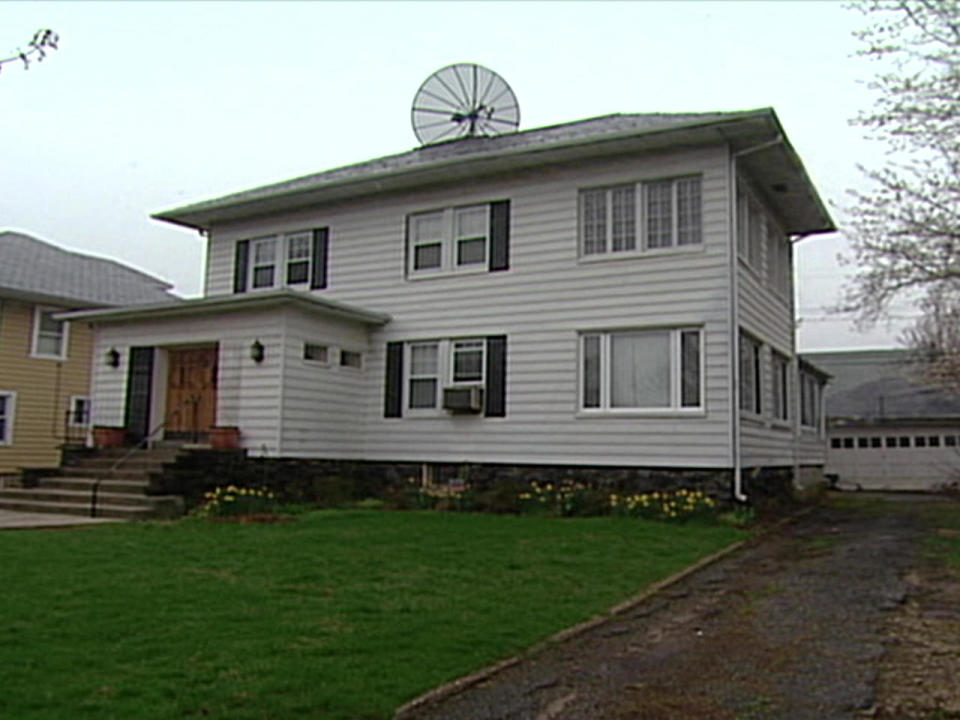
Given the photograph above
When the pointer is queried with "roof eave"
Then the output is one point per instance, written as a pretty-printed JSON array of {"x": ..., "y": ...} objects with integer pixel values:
[
  {"x": 228, "y": 303},
  {"x": 738, "y": 129}
]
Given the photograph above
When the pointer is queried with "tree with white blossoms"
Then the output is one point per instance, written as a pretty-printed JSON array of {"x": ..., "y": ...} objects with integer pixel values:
[{"x": 904, "y": 227}]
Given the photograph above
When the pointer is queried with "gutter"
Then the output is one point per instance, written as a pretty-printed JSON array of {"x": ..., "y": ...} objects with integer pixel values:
[{"x": 735, "y": 434}]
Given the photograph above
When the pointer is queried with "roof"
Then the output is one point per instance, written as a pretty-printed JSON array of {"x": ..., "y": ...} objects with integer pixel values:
[
  {"x": 771, "y": 160},
  {"x": 881, "y": 385},
  {"x": 206, "y": 306},
  {"x": 34, "y": 269}
]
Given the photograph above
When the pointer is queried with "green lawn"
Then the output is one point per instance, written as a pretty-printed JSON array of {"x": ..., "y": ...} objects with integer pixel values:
[{"x": 341, "y": 614}]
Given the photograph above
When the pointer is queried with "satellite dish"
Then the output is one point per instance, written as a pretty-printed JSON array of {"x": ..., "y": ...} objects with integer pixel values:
[{"x": 463, "y": 100}]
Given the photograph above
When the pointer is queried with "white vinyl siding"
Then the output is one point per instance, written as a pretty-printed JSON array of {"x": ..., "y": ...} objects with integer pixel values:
[
  {"x": 545, "y": 303},
  {"x": 668, "y": 211}
]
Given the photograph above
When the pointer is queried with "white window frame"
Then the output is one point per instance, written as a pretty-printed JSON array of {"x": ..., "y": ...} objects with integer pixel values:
[
  {"x": 453, "y": 360},
  {"x": 288, "y": 241},
  {"x": 409, "y": 377},
  {"x": 675, "y": 406},
  {"x": 281, "y": 261},
  {"x": 345, "y": 353},
  {"x": 449, "y": 241},
  {"x": 9, "y": 417},
  {"x": 641, "y": 235},
  {"x": 325, "y": 360},
  {"x": 72, "y": 417},
  {"x": 38, "y": 312}
]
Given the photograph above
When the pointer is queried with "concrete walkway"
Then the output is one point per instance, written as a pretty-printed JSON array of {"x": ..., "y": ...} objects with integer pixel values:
[{"x": 12, "y": 520}]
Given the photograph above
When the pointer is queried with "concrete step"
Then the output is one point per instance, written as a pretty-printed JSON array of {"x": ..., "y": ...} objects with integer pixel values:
[
  {"x": 43, "y": 494},
  {"x": 86, "y": 483},
  {"x": 124, "y": 512},
  {"x": 96, "y": 473},
  {"x": 149, "y": 463}
]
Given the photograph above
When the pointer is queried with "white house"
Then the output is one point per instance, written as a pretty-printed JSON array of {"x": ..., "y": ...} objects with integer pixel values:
[{"x": 609, "y": 293}]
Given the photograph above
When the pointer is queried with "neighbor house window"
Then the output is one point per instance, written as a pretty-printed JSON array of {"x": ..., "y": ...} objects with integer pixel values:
[
  {"x": 641, "y": 216},
  {"x": 781, "y": 387},
  {"x": 473, "y": 237},
  {"x": 750, "y": 375},
  {"x": 49, "y": 335},
  {"x": 79, "y": 413},
  {"x": 641, "y": 369},
  {"x": 7, "y": 401}
]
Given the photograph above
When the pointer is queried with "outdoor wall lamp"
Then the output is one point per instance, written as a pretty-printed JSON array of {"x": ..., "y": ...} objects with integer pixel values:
[
  {"x": 256, "y": 351},
  {"x": 113, "y": 358}
]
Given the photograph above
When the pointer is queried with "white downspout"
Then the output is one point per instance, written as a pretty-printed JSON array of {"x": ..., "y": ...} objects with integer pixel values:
[{"x": 735, "y": 435}]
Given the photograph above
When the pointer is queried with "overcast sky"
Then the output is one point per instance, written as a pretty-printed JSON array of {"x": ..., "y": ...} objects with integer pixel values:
[{"x": 148, "y": 106}]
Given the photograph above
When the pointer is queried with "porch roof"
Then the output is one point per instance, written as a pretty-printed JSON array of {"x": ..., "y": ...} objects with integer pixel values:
[{"x": 229, "y": 303}]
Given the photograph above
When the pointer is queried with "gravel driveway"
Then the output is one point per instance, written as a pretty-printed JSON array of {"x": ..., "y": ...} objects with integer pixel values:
[{"x": 808, "y": 622}]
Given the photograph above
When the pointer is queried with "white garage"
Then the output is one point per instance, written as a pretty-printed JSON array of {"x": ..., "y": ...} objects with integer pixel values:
[{"x": 887, "y": 429}]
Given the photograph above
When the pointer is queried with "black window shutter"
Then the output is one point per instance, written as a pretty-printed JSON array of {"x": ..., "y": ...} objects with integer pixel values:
[
  {"x": 318, "y": 268},
  {"x": 241, "y": 259},
  {"x": 139, "y": 386},
  {"x": 500, "y": 235},
  {"x": 393, "y": 387},
  {"x": 495, "y": 395}
]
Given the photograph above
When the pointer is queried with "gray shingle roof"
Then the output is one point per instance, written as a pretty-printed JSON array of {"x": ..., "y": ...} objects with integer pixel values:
[
  {"x": 590, "y": 129},
  {"x": 35, "y": 268},
  {"x": 873, "y": 385},
  {"x": 772, "y": 162}
]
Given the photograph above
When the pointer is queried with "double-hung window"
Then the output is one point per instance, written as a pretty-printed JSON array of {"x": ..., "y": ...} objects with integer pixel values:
[
  {"x": 781, "y": 387},
  {"x": 292, "y": 259},
  {"x": 641, "y": 216},
  {"x": 751, "y": 388},
  {"x": 424, "y": 375},
  {"x": 459, "y": 239},
  {"x": 49, "y": 335},
  {"x": 657, "y": 369},
  {"x": 7, "y": 401},
  {"x": 264, "y": 263},
  {"x": 298, "y": 251}
]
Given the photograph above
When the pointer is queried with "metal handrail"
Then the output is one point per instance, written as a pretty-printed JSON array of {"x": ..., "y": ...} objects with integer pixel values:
[{"x": 145, "y": 440}]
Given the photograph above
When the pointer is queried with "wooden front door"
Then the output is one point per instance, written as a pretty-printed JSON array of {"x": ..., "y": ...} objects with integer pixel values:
[{"x": 191, "y": 391}]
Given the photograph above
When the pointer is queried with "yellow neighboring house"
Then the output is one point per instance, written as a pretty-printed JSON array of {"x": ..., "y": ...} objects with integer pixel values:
[{"x": 44, "y": 362}]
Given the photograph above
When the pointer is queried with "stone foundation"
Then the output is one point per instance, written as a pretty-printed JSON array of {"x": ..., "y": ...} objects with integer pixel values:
[{"x": 338, "y": 482}]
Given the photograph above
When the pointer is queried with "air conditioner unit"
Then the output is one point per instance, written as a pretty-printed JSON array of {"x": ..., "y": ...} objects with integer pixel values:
[{"x": 463, "y": 399}]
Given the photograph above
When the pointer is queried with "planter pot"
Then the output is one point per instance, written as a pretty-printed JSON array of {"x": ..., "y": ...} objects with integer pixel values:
[
  {"x": 109, "y": 437},
  {"x": 225, "y": 438}
]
